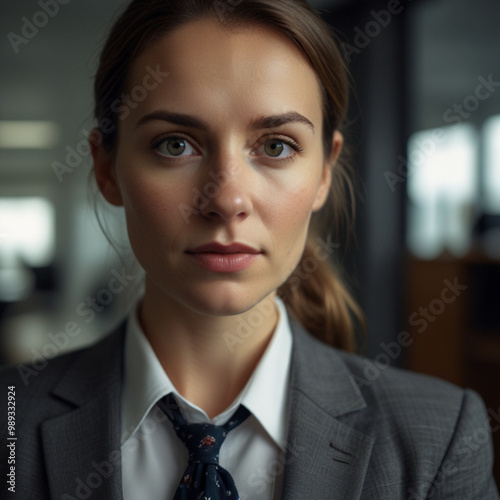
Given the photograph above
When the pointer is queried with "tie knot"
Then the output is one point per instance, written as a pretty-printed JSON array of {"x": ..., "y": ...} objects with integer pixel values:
[
  {"x": 203, "y": 442},
  {"x": 204, "y": 477}
]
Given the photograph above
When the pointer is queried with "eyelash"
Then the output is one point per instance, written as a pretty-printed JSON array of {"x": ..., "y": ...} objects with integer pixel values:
[
  {"x": 286, "y": 140},
  {"x": 281, "y": 138},
  {"x": 155, "y": 143}
]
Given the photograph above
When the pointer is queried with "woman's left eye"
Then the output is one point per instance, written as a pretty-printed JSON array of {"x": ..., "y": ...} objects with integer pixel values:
[
  {"x": 174, "y": 147},
  {"x": 278, "y": 148}
]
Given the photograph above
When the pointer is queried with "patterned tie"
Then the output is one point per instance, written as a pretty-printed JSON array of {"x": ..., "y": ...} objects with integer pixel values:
[{"x": 204, "y": 478}]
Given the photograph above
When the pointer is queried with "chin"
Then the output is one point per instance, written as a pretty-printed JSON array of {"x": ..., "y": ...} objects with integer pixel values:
[
  {"x": 217, "y": 306},
  {"x": 228, "y": 302}
]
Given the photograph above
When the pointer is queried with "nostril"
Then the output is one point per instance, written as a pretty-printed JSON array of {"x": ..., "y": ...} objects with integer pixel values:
[{"x": 225, "y": 216}]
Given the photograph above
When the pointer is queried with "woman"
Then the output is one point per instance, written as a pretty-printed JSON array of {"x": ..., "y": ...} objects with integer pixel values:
[{"x": 218, "y": 132}]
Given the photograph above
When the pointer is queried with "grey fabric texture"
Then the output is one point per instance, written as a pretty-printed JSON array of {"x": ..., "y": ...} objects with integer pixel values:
[{"x": 353, "y": 433}]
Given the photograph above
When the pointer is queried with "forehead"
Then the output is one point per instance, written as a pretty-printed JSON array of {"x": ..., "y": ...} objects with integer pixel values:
[{"x": 238, "y": 69}]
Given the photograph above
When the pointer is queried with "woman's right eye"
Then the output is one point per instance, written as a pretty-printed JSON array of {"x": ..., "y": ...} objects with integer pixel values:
[{"x": 173, "y": 147}]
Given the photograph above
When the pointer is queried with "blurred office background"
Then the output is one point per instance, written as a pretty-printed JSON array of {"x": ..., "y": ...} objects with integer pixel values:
[{"x": 426, "y": 141}]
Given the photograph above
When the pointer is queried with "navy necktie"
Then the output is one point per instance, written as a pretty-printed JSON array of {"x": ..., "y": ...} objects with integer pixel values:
[{"x": 204, "y": 477}]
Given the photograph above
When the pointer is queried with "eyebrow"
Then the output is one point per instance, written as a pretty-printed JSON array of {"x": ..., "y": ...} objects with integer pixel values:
[
  {"x": 262, "y": 122},
  {"x": 279, "y": 120},
  {"x": 175, "y": 118}
]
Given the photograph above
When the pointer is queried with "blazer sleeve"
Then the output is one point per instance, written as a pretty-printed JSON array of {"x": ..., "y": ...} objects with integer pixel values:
[{"x": 465, "y": 472}]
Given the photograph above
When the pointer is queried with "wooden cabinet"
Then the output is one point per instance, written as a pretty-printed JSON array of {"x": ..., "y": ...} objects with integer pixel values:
[{"x": 453, "y": 316}]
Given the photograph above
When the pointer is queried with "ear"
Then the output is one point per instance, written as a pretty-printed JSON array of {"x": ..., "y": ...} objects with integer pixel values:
[
  {"x": 104, "y": 169},
  {"x": 326, "y": 179}
]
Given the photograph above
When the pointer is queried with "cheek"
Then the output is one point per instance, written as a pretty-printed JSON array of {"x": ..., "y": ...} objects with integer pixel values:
[
  {"x": 290, "y": 204},
  {"x": 293, "y": 213},
  {"x": 152, "y": 208},
  {"x": 289, "y": 215},
  {"x": 295, "y": 210}
]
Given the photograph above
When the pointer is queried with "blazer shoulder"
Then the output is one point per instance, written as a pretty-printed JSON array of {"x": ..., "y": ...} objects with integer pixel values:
[
  {"x": 375, "y": 380},
  {"x": 447, "y": 428},
  {"x": 380, "y": 378},
  {"x": 430, "y": 437},
  {"x": 55, "y": 400},
  {"x": 394, "y": 399},
  {"x": 424, "y": 408},
  {"x": 38, "y": 377}
]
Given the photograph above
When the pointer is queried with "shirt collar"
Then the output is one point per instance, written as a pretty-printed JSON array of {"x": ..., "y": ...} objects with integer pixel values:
[{"x": 265, "y": 393}]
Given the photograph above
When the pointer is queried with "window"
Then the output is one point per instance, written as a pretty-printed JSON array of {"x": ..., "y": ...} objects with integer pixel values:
[
  {"x": 442, "y": 190},
  {"x": 27, "y": 231},
  {"x": 491, "y": 184}
]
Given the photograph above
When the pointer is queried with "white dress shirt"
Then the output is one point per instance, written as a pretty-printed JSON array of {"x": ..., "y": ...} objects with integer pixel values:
[{"x": 154, "y": 458}]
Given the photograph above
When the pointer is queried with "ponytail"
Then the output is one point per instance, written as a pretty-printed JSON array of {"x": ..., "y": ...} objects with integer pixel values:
[
  {"x": 316, "y": 297},
  {"x": 315, "y": 294}
]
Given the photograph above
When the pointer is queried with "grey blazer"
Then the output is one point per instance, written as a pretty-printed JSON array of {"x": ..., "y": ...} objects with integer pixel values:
[{"x": 353, "y": 433}]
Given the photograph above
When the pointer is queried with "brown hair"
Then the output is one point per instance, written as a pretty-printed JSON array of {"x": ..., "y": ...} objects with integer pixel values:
[{"x": 314, "y": 294}]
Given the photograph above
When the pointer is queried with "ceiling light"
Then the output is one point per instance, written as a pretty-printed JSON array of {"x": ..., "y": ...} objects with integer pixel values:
[{"x": 28, "y": 134}]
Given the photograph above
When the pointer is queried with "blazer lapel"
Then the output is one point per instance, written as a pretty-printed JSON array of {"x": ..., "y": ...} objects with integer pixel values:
[
  {"x": 82, "y": 446},
  {"x": 326, "y": 457}
]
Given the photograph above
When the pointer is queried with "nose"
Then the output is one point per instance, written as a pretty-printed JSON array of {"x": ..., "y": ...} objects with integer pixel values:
[{"x": 227, "y": 189}]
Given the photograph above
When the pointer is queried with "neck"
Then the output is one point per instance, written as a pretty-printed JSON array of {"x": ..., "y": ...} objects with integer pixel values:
[{"x": 209, "y": 359}]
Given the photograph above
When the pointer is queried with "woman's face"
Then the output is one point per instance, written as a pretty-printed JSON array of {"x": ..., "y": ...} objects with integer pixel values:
[{"x": 219, "y": 164}]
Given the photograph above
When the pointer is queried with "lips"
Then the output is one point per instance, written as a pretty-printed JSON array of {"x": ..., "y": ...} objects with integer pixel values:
[
  {"x": 224, "y": 249},
  {"x": 220, "y": 258}
]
